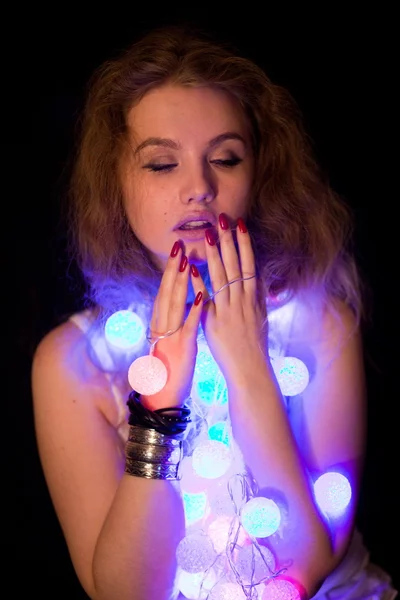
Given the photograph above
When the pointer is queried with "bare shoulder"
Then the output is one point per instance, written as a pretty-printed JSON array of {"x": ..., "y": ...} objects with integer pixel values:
[
  {"x": 326, "y": 329},
  {"x": 62, "y": 367}
]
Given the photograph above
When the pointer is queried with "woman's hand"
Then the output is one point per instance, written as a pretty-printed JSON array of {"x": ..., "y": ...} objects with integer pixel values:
[
  {"x": 233, "y": 320},
  {"x": 177, "y": 351}
]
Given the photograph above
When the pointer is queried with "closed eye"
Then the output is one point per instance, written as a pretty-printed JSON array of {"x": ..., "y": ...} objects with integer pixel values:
[
  {"x": 157, "y": 168},
  {"x": 228, "y": 162},
  {"x": 225, "y": 163}
]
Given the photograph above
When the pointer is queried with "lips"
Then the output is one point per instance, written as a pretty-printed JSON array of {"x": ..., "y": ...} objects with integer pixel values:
[{"x": 204, "y": 216}]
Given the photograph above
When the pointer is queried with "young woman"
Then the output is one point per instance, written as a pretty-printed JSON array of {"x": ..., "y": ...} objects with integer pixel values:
[{"x": 201, "y": 424}]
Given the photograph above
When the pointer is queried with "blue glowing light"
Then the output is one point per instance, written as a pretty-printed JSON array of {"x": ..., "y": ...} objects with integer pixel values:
[
  {"x": 332, "y": 493},
  {"x": 219, "y": 432},
  {"x": 261, "y": 517},
  {"x": 209, "y": 383},
  {"x": 124, "y": 329},
  {"x": 195, "y": 506}
]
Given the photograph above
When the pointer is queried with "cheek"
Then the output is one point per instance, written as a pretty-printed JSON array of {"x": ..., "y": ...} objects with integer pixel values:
[
  {"x": 136, "y": 204},
  {"x": 146, "y": 210},
  {"x": 238, "y": 198}
]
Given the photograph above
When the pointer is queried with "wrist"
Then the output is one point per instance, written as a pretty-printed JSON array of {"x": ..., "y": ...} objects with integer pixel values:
[
  {"x": 251, "y": 375},
  {"x": 171, "y": 420}
]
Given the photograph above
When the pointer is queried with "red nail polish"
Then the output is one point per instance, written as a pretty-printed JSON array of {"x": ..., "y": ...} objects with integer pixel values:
[
  {"x": 198, "y": 298},
  {"x": 242, "y": 225},
  {"x": 210, "y": 237},
  {"x": 194, "y": 270},
  {"x": 175, "y": 248},
  {"x": 183, "y": 264},
  {"x": 223, "y": 221}
]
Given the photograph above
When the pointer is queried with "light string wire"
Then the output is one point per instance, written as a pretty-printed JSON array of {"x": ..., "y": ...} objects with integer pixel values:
[{"x": 249, "y": 489}]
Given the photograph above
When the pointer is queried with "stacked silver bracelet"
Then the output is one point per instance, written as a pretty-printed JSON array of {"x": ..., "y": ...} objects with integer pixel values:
[{"x": 152, "y": 455}]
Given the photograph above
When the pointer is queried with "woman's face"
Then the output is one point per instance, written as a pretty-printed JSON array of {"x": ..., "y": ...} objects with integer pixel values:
[{"x": 190, "y": 160}]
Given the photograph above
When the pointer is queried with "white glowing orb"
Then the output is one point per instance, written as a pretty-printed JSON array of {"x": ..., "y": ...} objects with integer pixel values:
[
  {"x": 195, "y": 506},
  {"x": 147, "y": 375},
  {"x": 292, "y": 375},
  {"x": 254, "y": 564},
  {"x": 227, "y": 591},
  {"x": 124, "y": 329},
  {"x": 196, "y": 586},
  {"x": 260, "y": 517},
  {"x": 332, "y": 493},
  {"x": 281, "y": 589},
  {"x": 211, "y": 459},
  {"x": 225, "y": 529},
  {"x": 191, "y": 482},
  {"x": 195, "y": 553}
]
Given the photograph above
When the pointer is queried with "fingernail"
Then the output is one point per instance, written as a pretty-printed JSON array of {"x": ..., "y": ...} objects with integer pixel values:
[
  {"x": 211, "y": 237},
  {"x": 183, "y": 264},
  {"x": 194, "y": 270},
  {"x": 198, "y": 298},
  {"x": 175, "y": 248},
  {"x": 242, "y": 225},
  {"x": 223, "y": 221}
]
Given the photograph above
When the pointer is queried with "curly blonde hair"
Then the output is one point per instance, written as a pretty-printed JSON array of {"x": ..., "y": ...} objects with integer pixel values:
[{"x": 301, "y": 229}]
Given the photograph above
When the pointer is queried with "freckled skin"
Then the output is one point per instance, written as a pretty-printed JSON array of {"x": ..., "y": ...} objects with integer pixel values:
[{"x": 191, "y": 118}]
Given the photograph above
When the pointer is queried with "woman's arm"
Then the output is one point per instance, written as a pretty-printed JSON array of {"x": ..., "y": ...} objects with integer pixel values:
[
  {"x": 328, "y": 424},
  {"x": 121, "y": 531},
  {"x": 332, "y": 408}
]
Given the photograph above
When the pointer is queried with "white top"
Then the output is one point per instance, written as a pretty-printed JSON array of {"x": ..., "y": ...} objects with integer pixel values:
[{"x": 355, "y": 578}]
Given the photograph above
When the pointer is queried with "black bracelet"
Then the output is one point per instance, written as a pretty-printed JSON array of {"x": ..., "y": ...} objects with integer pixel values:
[{"x": 169, "y": 421}]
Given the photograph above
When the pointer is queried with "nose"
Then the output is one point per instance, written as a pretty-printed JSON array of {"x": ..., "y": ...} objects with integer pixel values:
[{"x": 199, "y": 185}]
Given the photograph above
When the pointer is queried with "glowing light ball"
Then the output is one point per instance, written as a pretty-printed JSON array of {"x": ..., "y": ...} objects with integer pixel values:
[
  {"x": 191, "y": 482},
  {"x": 260, "y": 517},
  {"x": 223, "y": 530},
  {"x": 254, "y": 564},
  {"x": 227, "y": 591},
  {"x": 332, "y": 493},
  {"x": 195, "y": 506},
  {"x": 195, "y": 553},
  {"x": 125, "y": 330},
  {"x": 219, "y": 432},
  {"x": 281, "y": 589},
  {"x": 221, "y": 502},
  {"x": 211, "y": 459},
  {"x": 209, "y": 383},
  {"x": 147, "y": 375},
  {"x": 196, "y": 586},
  {"x": 292, "y": 375}
]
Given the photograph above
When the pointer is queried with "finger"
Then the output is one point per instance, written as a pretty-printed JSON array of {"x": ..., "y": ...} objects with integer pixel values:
[
  {"x": 159, "y": 322},
  {"x": 230, "y": 258},
  {"x": 177, "y": 305},
  {"x": 247, "y": 261},
  {"x": 208, "y": 309},
  {"x": 216, "y": 268},
  {"x": 192, "y": 322}
]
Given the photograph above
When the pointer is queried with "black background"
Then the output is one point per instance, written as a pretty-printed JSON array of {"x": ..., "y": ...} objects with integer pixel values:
[{"x": 337, "y": 64}]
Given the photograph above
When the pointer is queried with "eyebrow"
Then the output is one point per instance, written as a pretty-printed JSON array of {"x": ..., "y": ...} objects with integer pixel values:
[{"x": 168, "y": 143}]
